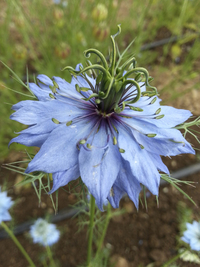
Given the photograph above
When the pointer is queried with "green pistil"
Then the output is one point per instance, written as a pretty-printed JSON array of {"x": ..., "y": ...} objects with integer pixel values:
[
  {"x": 99, "y": 54},
  {"x": 134, "y": 100},
  {"x": 98, "y": 101},
  {"x": 145, "y": 73},
  {"x": 131, "y": 61},
  {"x": 91, "y": 96},
  {"x": 113, "y": 61},
  {"x": 121, "y": 150},
  {"x": 104, "y": 114},
  {"x": 95, "y": 66},
  {"x": 111, "y": 82}
]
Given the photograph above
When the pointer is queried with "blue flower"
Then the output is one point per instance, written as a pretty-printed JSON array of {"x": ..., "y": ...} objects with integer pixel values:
[
  {"x": 44, "y": 233},
  {"x": 5, "y": 204},
  {"x": 192, "y": 235},
  {"x": 57, "y": 2},
  {"x": 105, "y": 128}
]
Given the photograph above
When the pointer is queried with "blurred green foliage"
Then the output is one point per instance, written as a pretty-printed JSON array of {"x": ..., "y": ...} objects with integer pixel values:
[{"x": 45, "y": 37}]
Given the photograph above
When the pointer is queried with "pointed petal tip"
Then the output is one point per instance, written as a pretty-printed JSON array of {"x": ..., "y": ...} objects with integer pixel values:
[
  {"x": 11, "y": 141},
  {"x": 28, "y": 169},
  {"x": 51, "y": 191}
]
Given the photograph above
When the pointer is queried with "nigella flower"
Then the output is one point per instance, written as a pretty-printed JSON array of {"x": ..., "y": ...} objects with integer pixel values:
[
  {"x": 104, "y": 127},
  {"x": 57, "y": 2},
  {"x": 44, "y": 233},
  {"x": 5, "y": 204},
  {"x": 192, "y": 235}
]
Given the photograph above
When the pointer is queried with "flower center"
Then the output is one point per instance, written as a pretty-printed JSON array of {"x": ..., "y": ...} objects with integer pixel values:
[
  {"x": 104, "y": 114},
  {"x": 114, "y": 90}
]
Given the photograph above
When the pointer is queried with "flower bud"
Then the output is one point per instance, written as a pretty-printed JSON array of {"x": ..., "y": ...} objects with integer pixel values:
[
  {"x": 19, "y": 21},
  {"x": 58, "y": 13},
  {"x": 115, "y": 3},
  {"x": 19, "y": 51},
  {"x": 81, "y": 38},
  {"x": 100, "y": 12},
  {"x": 101, "y": 32},
  {"x": 62, "y": 50}
]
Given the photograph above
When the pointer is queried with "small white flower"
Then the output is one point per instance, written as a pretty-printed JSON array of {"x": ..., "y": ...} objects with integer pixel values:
[
  {"x": 5, "y": 204},
  {"x": 192, "y": 235},
  {"x": 189, "y": 256},
  {"x": 44, "y": 233}
]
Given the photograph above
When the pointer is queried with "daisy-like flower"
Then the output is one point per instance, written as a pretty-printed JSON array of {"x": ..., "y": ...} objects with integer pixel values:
[
  {"x": 44, "y": 233},
  {"x": 5, "y": 204},
  {"x": 192, "y": 235},
  {"x": 106, "y": 128}
]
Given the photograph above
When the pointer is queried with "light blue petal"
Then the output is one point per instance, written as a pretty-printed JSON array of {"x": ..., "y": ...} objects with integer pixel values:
[
  {"x": 67, "y": 88},
  {"x": 186, "y": 240},
  {"x": 148, "y": 109},
  {"x": 158, "y": 162},
  {"x": 5, "y": 216},
  {"x": 45, "y": 79},
  {"x": 59, "y": 152},
  {"x": 165, "y": 146},
  {"x": 144, "y": 101},
  {"x": 36, "y": 111},
  {"x": 81, "y": 81},
  {"x": 195, "y": 244},
  {"x": 173, "y": 117},
  {"x": 144, "y": 127},
  {"x": 194, "y": 227},
  {"x": 63, "y": 178},
  {"x": 127, "y": 183},
  {"x": 41, "y": 128},
  {"x": 44, "y": 82},
  {"x": 42, "y": 95},
  {"x": 115, "y": 195},
  {"x": 142, "y": 166},
  {"x": 190, "y": 234},
  {"x": 30, "y": 139},
  {"x": 21, "y": 104},
  {"x": 99, "y": 167}
]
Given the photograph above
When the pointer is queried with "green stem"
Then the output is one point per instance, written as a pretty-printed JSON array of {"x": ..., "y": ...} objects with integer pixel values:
[
  {"x": 44, "y": 262},
  {"x": 173, "y": 259},
  {"x": 49, "y": 253},
  {"x": 104, "y": 229},
  {"x": 90, "y": 238},
  {"x": 10, "y": 233}
]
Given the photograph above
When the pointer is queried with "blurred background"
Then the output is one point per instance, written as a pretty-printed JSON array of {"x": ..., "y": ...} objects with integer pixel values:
[{"x": 44, "y": 36}]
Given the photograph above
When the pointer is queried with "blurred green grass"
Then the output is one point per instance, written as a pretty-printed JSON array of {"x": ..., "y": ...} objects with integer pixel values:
[{"x": 45, "y": 37}]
